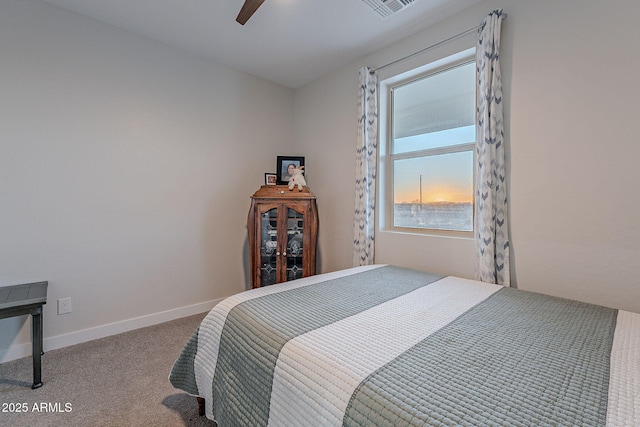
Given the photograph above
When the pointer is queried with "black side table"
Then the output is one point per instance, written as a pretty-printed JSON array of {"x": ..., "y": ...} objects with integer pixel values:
[{"x": 19, "y": 300}]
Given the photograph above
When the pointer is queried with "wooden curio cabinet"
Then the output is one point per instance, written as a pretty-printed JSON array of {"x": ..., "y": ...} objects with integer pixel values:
[{"x": 283, "y": 228}]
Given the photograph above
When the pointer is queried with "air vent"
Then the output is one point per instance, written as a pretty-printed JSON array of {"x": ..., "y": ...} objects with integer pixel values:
[{"x": 386, "y": 8}]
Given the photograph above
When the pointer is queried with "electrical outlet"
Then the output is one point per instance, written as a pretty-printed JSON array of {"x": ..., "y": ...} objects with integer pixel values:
[{"x": 64, "y": 305}]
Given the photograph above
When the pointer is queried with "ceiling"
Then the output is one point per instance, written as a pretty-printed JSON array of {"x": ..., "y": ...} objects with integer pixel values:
[{"x": 289, "y": 42}]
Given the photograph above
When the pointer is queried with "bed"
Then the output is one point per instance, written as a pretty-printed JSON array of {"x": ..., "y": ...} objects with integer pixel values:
[{"x": 388, "y": 346}]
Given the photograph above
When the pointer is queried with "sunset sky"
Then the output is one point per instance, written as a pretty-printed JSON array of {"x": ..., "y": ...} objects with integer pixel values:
[{"x": 447, "y": 177}]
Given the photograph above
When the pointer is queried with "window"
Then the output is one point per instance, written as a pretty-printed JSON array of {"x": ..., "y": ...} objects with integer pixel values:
[{"x": 429, "y": 154}]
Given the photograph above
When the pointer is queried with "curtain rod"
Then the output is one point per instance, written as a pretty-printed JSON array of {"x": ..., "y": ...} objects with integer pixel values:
[{"x": 464, "y": 33}]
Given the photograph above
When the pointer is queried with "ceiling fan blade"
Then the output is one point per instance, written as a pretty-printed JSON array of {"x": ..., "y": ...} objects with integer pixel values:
[{"x": 248, "y": 9}]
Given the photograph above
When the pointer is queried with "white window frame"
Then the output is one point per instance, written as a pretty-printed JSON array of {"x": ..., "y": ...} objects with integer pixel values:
[{"x": 385, "y": 159}]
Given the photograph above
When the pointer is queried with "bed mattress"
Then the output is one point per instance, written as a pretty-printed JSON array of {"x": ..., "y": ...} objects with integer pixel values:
[{"x": 388, "y": 346}]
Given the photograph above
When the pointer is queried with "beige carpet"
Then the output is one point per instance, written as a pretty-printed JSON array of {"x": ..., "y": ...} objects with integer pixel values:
[{"x": 115, "y": 381}]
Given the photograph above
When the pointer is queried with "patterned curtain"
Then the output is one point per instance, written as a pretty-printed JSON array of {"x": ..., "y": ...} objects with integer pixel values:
[
  {"x": 366, "y": 164},
  {"x": 492, "y": 233}
]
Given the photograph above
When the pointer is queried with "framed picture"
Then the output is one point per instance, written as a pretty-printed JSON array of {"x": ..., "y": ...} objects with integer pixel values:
[
  {"x": 270, "y": 178},
  {"x": 284, "y": 167}
]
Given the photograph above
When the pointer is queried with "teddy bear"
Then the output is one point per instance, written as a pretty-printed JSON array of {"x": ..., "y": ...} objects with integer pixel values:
[{"x": 297, "y": 178}]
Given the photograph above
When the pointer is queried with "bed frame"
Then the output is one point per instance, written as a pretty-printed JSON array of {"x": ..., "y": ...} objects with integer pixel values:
[{"x": 200, "y": 405}]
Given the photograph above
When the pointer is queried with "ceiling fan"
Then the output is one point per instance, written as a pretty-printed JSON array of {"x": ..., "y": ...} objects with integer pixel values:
[{"x": 248, "y": 9}]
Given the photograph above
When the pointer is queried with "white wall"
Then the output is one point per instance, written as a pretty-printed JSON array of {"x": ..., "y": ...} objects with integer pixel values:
[
  {"x": 570, "y": 71},
  {"x": 125, "y": 172}
]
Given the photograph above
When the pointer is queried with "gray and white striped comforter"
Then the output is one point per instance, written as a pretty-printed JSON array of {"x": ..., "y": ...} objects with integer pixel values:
[{"x": 383, "y": 345}]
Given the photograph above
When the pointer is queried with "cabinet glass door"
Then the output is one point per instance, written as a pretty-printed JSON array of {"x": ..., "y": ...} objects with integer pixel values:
[
  {"x": 295, "y": 228},
  {"x": 269, "y": 247}
]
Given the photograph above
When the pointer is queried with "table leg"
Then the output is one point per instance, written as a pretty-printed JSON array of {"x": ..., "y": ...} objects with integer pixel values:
[{"x": 36, "y": 326}]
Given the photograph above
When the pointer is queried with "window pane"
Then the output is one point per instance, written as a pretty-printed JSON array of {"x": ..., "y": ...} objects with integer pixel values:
[
  {"x": 434, "y": 192},
  {"x": 423, "y": 109},
  {"x": 443, "y": 138}
]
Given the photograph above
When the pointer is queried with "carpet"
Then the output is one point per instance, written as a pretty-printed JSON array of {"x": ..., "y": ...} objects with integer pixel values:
[{"x": 121, "y": 380}]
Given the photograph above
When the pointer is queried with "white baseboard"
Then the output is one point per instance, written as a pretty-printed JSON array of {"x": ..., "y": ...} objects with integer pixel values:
[{"x": 18, "y": 351}]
